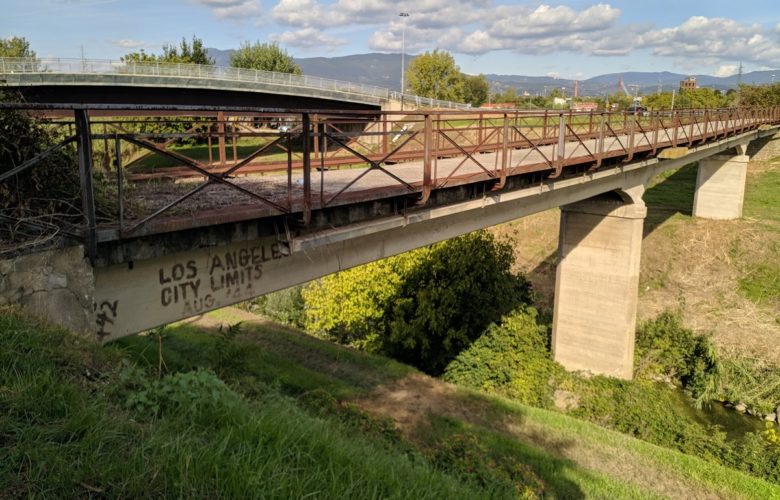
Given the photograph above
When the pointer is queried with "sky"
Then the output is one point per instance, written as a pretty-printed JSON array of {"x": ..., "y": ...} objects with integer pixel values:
[{"x": 573, "y": 39}]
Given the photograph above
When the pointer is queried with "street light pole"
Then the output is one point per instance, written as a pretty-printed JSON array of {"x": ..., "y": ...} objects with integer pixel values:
[{"x": 403, "y": 15}]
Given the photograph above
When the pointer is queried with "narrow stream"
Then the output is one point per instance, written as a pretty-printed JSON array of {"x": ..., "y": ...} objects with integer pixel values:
[{"x": 733, "y": 423}]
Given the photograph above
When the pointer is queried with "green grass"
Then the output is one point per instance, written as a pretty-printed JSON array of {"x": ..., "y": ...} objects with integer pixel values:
[
  {"x": 762, "y": 196},
  {"x": 670, "y": 195},
  {"x": 67, "y": 431},
  {"x": 762, "y": 283},
  {"x": 234, "y": 418},
  {"x": 761, "y": 280},
  {"x": 200, "y": 152}
]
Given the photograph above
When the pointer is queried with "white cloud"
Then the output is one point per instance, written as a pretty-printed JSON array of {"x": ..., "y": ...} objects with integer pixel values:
[
  {"x": 128, "y": 43},
  {"x": 481, "y": 26},
  {"x": 726, "y": 70},
  {"x": 232, "y": 9},
  {"x": 716, "y": 38},
  {"x": 307, "y": 37}
]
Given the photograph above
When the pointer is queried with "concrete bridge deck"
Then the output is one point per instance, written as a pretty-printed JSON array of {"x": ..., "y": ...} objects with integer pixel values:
[{"x": 110, "y": 81}]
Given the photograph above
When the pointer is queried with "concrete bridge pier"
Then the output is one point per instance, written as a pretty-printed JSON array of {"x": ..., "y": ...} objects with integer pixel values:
[
  {"x": 597, "y": 283},
  {"x": 720, "y": 186}
]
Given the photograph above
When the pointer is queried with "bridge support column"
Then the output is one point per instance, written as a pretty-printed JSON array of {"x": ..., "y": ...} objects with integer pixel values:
[
  {"x": 720, "y": 187},
  {"x": 596, "y": 286}
]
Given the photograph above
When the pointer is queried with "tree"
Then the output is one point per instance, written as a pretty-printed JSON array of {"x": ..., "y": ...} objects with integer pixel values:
[
  {"x": 475, "y": 89},
  {"x": 265, "y": 57},
  {"x": 422, "y": 307},
  {"x": 185, "y": 53},
  {"x": 435, "y": 75},
  {"x": 15, "y": 46},
  {"x": 139, "y": 57},
  {"x": 759, "y": 95}
]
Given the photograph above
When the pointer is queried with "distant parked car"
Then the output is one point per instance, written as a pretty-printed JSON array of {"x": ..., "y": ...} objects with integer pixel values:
[{"x": 635, "y": 109}]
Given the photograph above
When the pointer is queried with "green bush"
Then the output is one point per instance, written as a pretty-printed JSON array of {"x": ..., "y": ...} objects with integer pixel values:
[
  {"x": 511, "y": 359},
  {"x": 199, "y": 395},
  {"x": 285, "y": 306},
  {"x": 664, "y": 347},
  {"x": 350, "y": 307},
  {"x": 446, "y": 301},
  {"x": 422, "y": 307}
]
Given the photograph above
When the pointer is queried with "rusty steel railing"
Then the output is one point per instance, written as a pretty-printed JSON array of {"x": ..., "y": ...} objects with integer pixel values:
[{"x": 188, "y": 166}]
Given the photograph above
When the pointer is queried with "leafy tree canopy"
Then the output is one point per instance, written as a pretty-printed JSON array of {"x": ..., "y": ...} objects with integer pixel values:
[
  {"x": 435, "y": 75},
  {"x": 475, "y": 89},
  {"x": 759, "y": 95},
  {"x": 185, "y": 53},
  {"x": 265, "y": 57},
  {"x": 422, "y": 307},
  {"x": 15, "y": 46}
]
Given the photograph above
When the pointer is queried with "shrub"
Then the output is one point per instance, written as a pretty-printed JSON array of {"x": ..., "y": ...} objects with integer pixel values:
[
  {"x": 422, "y": 307},
  {"x": 447, "y": 300},
  {"x": 511, "y": 359},
  {"x": 285, "y": 306},
  {"x": 199, "y": 396},
  {"x": 665, "y": 347},
  {"x": 350, "y": 307}
]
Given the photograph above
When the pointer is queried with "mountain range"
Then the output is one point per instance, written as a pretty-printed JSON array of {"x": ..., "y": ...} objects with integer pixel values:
[{"x": 384, "y": 70}]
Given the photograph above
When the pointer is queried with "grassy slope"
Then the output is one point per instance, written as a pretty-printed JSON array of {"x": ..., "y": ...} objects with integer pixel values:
[
  {"x": 66, "y": 428},
  {"x": 574, "y": 459},
  {"x": 66, "y": 431}
]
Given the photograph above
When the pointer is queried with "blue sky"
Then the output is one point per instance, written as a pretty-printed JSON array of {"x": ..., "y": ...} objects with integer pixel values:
[{"x": 574, "y": 39}]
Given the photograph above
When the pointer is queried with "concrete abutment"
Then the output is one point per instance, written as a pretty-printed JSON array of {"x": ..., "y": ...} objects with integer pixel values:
[
  {"x": 56, "y": 285},
  {"x": 596, "y": 285},
  {"x": 720, "y": 187}
]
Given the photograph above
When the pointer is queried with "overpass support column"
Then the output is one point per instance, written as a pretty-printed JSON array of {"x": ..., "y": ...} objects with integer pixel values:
[
  {"x": 720, "y": 187},
  {"x": 596, "y": 286}
]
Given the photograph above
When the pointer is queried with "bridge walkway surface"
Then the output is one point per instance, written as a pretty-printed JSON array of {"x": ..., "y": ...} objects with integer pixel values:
[{"x": 339, "y": 187}]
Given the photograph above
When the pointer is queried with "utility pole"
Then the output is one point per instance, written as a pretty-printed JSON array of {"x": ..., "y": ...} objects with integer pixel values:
[{"x": 739, "y": 75}]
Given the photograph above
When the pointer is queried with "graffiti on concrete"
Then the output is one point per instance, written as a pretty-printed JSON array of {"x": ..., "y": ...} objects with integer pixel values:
[
  {"x": 105, "y": 315},
  {"x": 223, "y": 278}
]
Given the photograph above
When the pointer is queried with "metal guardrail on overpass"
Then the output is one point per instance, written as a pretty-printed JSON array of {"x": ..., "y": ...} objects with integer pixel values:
[{"x": 13, "y": 70}]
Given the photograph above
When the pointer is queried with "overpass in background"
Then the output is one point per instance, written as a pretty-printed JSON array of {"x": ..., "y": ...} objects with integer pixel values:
[
  {"x": 339, "y": 188},
  {"x": 103, "y": 81}
]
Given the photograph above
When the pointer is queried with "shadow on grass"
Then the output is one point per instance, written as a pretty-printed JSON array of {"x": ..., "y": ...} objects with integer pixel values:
[
  {"x": 478, "y": 437},
  {"x": 296, "y": 362}
]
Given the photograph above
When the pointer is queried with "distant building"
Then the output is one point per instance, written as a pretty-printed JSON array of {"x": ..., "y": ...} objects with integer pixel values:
[
  {"x": 689, "y": 83},
  {"x": 559, "y": 101},
  {"x": 584, "y": 106}
]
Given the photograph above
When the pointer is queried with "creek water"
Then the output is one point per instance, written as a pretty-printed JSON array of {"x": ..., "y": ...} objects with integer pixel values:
[{"x": 733, "y": 423}]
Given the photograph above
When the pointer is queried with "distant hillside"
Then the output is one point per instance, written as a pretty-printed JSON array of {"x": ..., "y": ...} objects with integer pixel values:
[{"x": 384, "y": 70}]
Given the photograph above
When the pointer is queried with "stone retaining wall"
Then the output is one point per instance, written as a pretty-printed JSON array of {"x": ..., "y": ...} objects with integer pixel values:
[{"x": 56, "y": 285}]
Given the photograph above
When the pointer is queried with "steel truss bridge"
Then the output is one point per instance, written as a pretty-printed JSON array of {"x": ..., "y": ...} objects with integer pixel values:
[{"x": 302, "y": 169}]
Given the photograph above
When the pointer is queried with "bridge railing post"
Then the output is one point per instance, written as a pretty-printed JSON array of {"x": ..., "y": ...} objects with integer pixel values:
[
  {"x": 600, "y": 143},
  {"x": 561, "y": 156},
  {"x": 427, "y": 159},
  {"x": 631, "y": 139},
  {"x": 504, "y": 152},
  {"x": 305, "y": 133},
  {"x": 84, "y": 146},
  {"x": 119, "y": 182}
]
